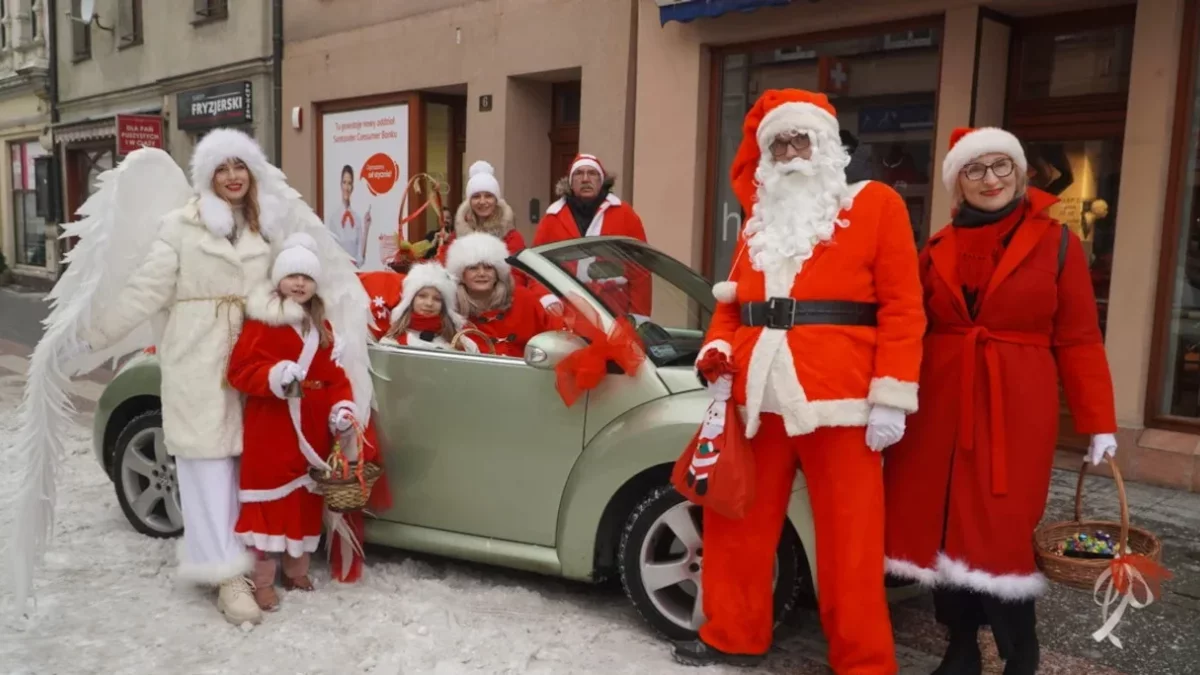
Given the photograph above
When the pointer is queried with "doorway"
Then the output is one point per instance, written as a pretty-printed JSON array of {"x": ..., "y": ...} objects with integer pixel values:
[
  {"x": 85, "y": 163},
  {"x": 564, "y": 131},
  {"x": 443, "y": 151}
]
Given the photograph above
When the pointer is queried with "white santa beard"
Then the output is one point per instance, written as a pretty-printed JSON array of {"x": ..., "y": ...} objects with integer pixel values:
[{"x": 797, "y": 209}]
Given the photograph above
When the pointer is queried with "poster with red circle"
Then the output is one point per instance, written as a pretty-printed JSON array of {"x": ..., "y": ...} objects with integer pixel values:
[{"x": 363, "y": 174}]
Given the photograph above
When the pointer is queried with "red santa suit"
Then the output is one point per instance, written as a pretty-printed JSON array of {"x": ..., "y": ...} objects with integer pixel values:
[
  {"x": 501, "y": 223},
  {"x": 818, "y": 338},
  {"x": 284, "y": 437},
  {"x": 509, "y": 327},
  {"x": 626, "y": 293},
  {"x": 968, "y": 483},
  {"x": 427, "y": 332}
]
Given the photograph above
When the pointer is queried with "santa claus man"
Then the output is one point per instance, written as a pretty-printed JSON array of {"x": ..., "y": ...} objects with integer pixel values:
[{"x": 821, "y": 322}]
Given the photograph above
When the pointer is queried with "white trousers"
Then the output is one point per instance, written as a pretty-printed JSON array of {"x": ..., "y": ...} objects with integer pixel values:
[{"x": 208, "y": 492}]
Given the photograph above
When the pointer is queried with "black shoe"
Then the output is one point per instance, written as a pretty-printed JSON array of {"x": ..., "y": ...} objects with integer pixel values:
[
  {"x": 1024, "y": 658},
  {"x": 696, "y": 653},
  {"x": 962, "y": 656}
]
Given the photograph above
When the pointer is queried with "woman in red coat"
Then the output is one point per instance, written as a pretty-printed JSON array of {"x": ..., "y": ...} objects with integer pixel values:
[
  {"x": 485, "y": 211},
  {"x": 509, "y": 315},
  {"x": 1011, "y": 313},
  {"x": 297, "y": 399}
]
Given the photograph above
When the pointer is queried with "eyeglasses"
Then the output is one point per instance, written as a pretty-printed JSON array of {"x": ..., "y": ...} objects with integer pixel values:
[
  {"x": 798, "y": 142},
  {"x": 1001, "y": 168}
]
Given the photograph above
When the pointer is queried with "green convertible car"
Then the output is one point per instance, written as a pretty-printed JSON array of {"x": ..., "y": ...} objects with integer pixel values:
[{"x": 487, "y": 464}]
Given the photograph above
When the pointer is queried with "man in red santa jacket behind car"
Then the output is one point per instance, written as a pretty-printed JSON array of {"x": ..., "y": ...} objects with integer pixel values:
[{"x": 821, "y": 320}]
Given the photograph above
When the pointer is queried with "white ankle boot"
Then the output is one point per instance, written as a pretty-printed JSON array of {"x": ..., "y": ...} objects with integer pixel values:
[{"x": 235, "y": 600}]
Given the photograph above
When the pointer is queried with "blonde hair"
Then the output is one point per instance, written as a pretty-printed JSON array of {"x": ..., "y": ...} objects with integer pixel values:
[
  {"x": 314, "y": 311},
  {"x": 957, "y": 199}
]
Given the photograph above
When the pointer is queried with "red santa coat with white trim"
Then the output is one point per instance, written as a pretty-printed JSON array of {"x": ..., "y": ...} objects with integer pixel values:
[
  {"x": 613, "y": 218},
  {"x": 824, "y": 375},
  {"x": 509, "y": 329},
  {"x": 279, "y": 511},
  {"x": 968, "y": 483}
]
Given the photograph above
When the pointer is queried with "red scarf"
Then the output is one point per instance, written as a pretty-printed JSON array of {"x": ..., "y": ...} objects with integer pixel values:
[
  {"x": 425, "y": 324},
  {"x": 979, "y": 250}
]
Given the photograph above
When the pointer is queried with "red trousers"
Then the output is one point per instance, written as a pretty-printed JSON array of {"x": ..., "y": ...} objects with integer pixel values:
[{"x": 845, "y": 485}]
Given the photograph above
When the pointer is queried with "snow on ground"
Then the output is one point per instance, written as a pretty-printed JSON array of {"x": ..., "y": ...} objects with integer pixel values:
[{"x": 108, "y": 603}]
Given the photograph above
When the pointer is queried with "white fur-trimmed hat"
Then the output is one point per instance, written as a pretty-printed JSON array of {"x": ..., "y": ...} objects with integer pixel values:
[
  {"x": 429, "y": 275},
  {"x": 477, "y": 248},
  {"x": 299, "y": 256},
  {"x": 482, "y": 179},
  {"x": 967, "y": 144},
  {"x": 581, "y": 160},
  {"x": 218, "y": 147}
]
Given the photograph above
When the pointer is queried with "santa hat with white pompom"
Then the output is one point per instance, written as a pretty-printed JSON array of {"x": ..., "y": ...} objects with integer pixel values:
[{"x": 482, "y": 178}]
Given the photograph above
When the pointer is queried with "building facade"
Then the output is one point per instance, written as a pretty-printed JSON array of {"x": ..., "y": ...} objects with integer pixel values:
[
  {"x": 24, "y": 134},
  {"x": 1102, "y": 92},
  {"x": 160, "y": 74}
]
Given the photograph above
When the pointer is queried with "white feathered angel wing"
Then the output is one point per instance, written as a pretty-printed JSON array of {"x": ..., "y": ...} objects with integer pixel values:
[
  {"x": 118, "y": 225},
  {"x": 346, "y": 300}
]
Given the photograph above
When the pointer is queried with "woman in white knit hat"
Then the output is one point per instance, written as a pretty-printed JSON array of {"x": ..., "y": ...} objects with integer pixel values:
[
  {"x": 485, "y": 210},
  {"x": 1011, "y": 313}
]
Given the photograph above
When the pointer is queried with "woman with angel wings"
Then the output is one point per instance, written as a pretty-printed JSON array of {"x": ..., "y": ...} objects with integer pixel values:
[{"x": 163, "y": 263}]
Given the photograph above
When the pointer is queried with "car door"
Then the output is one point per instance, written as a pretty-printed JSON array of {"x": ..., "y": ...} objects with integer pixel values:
[{"x": 474, "y": 444}]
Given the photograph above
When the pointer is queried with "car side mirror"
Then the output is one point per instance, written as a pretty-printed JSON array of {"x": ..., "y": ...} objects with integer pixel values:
[{"x": 546, "y": 350}]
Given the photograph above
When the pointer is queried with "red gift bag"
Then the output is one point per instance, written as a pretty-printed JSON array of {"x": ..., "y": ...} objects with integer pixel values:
[{"x": 718, "y": 473}]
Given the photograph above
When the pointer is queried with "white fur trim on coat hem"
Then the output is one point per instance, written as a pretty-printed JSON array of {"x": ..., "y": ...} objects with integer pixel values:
[
  {"x": 841, "y": 412},
  {"x": 212, "y": 573},
  {"x": 278, "y": 543},
  {"x": 1012, "y": 587},
  {"x": 911, "y": 571},
  {"x": 274, "y": 494},
  {"x": 895, "y": 393},
  {"x": 975, "y": 144},
  {"x": 275, "y": 378}
]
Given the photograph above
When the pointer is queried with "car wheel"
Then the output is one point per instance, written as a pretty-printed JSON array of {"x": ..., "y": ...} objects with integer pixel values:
[
  {"x": 144, "y": 477},
  {"x": 661, "y": 557}
]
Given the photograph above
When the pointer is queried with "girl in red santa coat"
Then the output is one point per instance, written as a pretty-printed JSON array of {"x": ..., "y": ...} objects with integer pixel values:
[
  {"x": 509, "y": 315},
  {"x": 1011, "y": 313},
  {"x": 297, "y": 399},
  {"x": 427, "y": 314}
]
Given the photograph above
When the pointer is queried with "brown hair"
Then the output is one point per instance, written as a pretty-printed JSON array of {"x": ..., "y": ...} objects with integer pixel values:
[
  {"x": 315, "y": 308},
  {"x": 447, "y": 332},
  {"x": 250, "y": 208}
]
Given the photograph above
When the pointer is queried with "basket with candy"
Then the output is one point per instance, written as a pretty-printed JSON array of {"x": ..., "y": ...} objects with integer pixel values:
[
  {"x": 1100, "y": 545},
  {"x": 347, "y": 484}
]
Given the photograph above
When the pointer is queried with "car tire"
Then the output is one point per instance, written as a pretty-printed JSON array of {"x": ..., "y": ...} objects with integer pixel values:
[
  {"x": 144, "y": 478},
  {"x": 648, "y": 536}
]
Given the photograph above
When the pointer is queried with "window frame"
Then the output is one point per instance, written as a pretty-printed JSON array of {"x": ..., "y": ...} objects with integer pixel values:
[
  {"x": 136, "y": 37},
  {"x": 209, "y": 11},
  {"x": 80, "y": 33},
  {"x": 1173, "y": 212},
  {"x": 5, "y": 31}
]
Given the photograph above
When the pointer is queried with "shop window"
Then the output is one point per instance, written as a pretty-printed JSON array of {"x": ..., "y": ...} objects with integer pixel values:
[
  {"x": 884, "y": 86},
  {"x": 1076, "y": 63},
  {"x": 81, "y": 35},
  {"x": 29, "y": 228},
  {"x": 129, "y": 22},
  {"x": 209, "y": 10},
  {"x": 1175, "y": 377}
]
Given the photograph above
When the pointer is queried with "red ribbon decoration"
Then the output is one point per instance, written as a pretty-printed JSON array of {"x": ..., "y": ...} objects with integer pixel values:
[{"x": 584, "y": 369}]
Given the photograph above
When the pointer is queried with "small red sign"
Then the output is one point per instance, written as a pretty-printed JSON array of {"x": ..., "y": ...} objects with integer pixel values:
[
  {"x": 833, "y": 75},
  {"x": 381, "y": 173},
  {"x": 138, "y": 131}
]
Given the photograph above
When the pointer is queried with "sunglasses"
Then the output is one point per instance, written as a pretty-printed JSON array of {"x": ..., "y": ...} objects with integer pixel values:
[
  {"x": 798, "y": 142},
  {"x": 1001, "y": 168}
]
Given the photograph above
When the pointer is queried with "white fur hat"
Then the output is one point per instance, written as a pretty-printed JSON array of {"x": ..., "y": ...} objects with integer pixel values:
[
  {"x": 482, "y": 179},
  {"x": 429, "y": 275},
  {"x": 299, "y": 256},
  {"x": 218, "y": 147},
  {"x": 477, "y": 248},
  {"x": 968, "y": 144}
]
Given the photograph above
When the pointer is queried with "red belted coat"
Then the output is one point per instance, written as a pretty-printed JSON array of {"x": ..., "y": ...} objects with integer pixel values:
[{"x": 968, "y": 483}]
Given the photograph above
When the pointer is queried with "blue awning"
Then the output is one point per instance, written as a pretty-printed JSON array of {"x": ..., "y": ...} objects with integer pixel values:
[{"x": 701, "y": 9}]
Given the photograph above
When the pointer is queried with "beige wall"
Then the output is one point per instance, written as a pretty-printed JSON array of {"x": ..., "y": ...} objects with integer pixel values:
[
  {"x": 172, "y": 46},
  {"x": 403, "y": 46}
]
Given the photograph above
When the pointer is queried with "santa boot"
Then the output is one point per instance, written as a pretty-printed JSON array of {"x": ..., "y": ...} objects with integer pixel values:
[
  {"x": 1018, "y": 639},
  {"x": 264, "y": 583},
  {"x": 962, "y": 613},
  {"x": 295, "y": 573},
  {"x": 235, "y": 600}
]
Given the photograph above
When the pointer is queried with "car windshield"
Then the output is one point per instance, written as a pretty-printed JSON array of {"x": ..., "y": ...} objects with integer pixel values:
[{"x": 668, "y": 302}]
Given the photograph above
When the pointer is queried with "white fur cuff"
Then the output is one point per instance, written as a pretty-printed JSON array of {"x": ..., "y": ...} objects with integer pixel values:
[
  {"x": 275, "y": 378},
  {"x": 892, "y": 392}
]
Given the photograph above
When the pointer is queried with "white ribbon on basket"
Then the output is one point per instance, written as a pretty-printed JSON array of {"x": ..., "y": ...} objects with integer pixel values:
[{"x": 1124, "y": 600}]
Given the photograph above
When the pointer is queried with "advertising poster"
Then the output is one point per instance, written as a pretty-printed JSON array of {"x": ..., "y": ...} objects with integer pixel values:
[{"x": 363, "y": 174}]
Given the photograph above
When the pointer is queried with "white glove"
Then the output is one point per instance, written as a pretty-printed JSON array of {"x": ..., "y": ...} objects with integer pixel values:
[
  {"x": 343, "y": 419},
  {"x": 291, "y": 373},
  {"x": 1103, "y": 445},
  {"x": 722, "y": 389},
  {"x": 885, "y": 427}
]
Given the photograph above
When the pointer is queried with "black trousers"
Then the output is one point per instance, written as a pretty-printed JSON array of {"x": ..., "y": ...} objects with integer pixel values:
[{"x": 1014, "y": 624}]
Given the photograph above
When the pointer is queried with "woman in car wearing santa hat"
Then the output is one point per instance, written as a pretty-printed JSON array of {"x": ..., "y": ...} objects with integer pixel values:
[
  {"x": 1011, "y": 313},
  {"x": 508, "y": 314}
]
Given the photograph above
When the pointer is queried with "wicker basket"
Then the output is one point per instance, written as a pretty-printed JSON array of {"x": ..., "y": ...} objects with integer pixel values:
[
  {"x": 471, "y": 331},
  {"x": 343, "y": 495},
  {"x": 1083, "y": 572}
]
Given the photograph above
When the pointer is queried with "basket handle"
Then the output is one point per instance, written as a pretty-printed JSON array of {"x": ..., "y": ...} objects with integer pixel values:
[
  {"x": 1123, "y": 543},
  {"x": 463, "y": 333}
]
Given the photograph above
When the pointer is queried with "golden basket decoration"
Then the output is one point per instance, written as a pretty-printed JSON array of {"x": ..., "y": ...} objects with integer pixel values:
[
  {"x": 487, "y": 340},
  {"x": 347, "y": 485},
  {"x": 1084, "y": 572}
]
